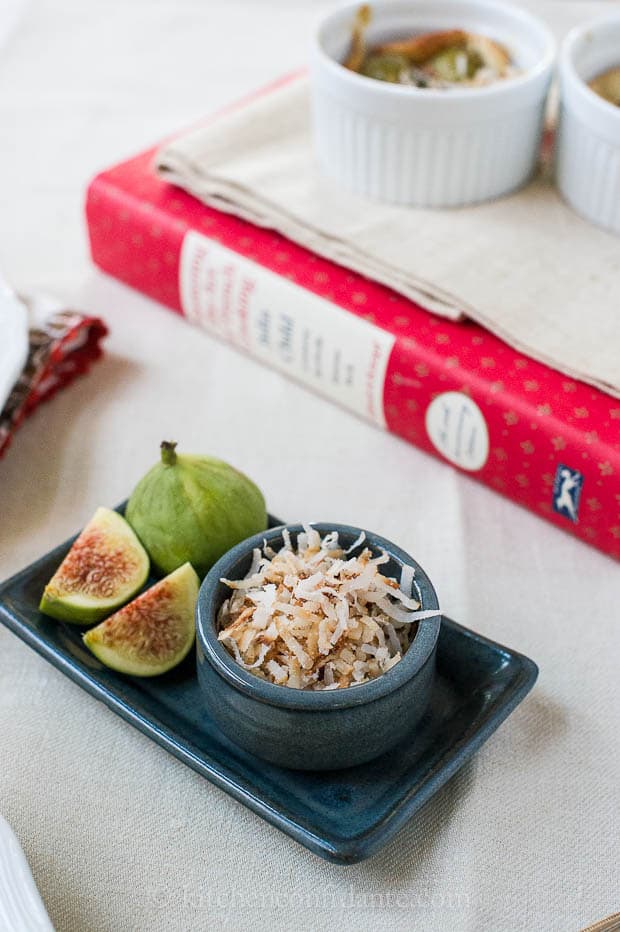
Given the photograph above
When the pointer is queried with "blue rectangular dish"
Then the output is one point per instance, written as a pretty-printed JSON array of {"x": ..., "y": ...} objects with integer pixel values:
[{"x": 343, "y": 816}]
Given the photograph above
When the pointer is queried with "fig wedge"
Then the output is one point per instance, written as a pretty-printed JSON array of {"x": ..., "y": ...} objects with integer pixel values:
[
  {"x": 153, "y": 633},
  {"x": 105, "y": 568}
]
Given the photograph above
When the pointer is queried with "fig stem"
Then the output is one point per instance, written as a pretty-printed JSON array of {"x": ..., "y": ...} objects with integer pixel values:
[{"x": 168, "y": 455}]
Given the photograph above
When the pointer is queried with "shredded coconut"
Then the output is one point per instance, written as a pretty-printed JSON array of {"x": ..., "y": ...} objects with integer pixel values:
[{"x": 317, "y": 617}]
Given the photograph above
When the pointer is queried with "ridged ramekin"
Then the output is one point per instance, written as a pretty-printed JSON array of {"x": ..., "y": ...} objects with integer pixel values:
[
  {"x": 588, "y": 141},
  {"x": 430, "y": 147}
]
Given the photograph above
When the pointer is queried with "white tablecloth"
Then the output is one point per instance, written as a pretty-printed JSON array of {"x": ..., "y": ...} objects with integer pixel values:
[{"x": 119, "y": 834}]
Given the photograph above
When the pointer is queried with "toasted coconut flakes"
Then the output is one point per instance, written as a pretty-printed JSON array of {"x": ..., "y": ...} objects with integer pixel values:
[
  {"x": 324, "y": 639},
  {"x": 250, "y": 582},
  {"x": 276, "y": 670},
  {"x": 294, "y": 675},
  {"x": 230, "y": 642},
  {"x": 392, "y": 637},
  {"x": 316, "y": 617},
  {"x": 246, "y": 640},
  {"x": 293, "y": 645},
  {"x": 271, "y": 633},
  {"x": 356, "y": 543},
  {"x": 256, "y": 559}
]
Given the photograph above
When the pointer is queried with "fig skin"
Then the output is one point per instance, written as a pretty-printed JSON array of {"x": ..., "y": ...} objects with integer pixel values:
[
  {"x": 152, "y": 634},
  {"x": 191, "y": 508},
  {"x": 105, "y": 567}
]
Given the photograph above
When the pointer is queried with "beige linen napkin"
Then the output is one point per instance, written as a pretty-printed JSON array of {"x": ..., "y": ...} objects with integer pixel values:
[{"x": 525, "y": 266}]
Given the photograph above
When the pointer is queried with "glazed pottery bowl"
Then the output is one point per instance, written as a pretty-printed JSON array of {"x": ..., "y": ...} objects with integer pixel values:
[{"x": 307, "y": 729}]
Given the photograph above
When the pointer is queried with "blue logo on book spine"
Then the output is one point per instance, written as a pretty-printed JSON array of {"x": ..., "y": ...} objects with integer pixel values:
[{"x": 567, "y": 492}]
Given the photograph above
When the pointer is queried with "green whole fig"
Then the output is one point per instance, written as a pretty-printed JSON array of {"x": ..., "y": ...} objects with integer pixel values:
[{"x": 191, "y": 508}]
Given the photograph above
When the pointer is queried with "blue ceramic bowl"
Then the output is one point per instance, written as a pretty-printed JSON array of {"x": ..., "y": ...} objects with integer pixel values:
[{"x": 306, "y": 729}]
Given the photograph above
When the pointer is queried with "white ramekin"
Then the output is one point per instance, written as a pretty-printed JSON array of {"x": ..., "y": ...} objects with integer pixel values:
[
  {"x": 429, "y": 147},
  {"x": 588, "y": 141}
]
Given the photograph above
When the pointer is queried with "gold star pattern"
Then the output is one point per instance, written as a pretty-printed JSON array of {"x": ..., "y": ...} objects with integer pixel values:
[
  {"x": 544, "y": 410},
  {"x": 593, "y": 504},
  {"x": 398, "y": 378},
  {"x": 531, "y": 385},
  {"x": 559, "y": 443},
  {"x": 581, "y": 412},
  {"x": 528, "y": 447},
  {"x": 487, "y": 362},
  {"x": 606, "y": 468},
  {"x": 511, "y": 418},
  {"x": 569, "y": 386}
]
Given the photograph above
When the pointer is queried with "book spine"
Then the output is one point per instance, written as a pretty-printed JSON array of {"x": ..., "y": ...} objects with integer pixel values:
[{"x": 451, "y": 389}]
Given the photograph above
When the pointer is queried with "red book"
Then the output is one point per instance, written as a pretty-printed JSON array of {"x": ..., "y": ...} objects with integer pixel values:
[{"x": 544, "y": 440}]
